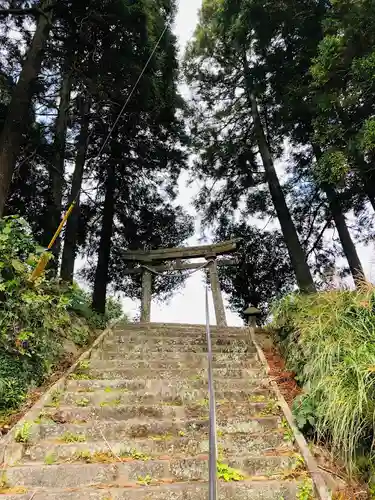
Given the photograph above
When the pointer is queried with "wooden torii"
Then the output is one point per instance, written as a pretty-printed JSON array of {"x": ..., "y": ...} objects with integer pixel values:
[{"x": 148, "y": 263}]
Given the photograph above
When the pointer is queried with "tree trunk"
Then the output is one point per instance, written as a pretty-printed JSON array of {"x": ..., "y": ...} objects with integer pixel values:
[
  {"x": 57, "y": 169},
  {"x": 342, "y": 228},
  {"x": 70, "y": 239},
  {"x": 295, "y": 250},
  {"x": 344, "y": 235},
  {"x": 104, "y": 253},
  {"x": 17, "y": 116}
]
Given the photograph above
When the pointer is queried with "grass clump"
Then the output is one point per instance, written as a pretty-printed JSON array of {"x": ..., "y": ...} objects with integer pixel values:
[{"x": 328, "y": 341}]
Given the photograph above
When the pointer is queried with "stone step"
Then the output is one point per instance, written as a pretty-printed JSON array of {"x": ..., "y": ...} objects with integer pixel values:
[
  {"x": 197, "y": 444},
  {"x": 243, "y": 490},
  {"x": 176, "y": 336},
  {"x": 103, "y": 406},
  {"x": 173, "y": 360},
  {"x": 175, "y": 329},
  {"x": 107, "y": 368},
  {"x": 182, "y": 356},
  {"x": 177, "y": 343},
  {"x": 157, "y": 391},
  {"x": 169, "y": 379},
  {"x": 147, "y": 427},
  {"x": 110, "y": 360},
  {"x": 122, "y": 473}
]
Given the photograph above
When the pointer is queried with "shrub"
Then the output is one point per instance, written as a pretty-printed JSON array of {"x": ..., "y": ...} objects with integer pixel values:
[
  {"x": 329, "y": 340},
  {"x": 80, "y": 303},
  {"x": 35, "y": 318}
]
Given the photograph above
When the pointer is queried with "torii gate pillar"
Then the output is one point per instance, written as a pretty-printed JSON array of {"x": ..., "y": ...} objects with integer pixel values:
[{"x": 216, "y": 292}]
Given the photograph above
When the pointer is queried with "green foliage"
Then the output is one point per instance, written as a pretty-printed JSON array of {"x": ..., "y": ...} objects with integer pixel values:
[
  {"x": 304, "y": 412},
  {"x": 50, "y": 459},
  {"x": 368, "y": 141},
  {"x": 287, "y": 431},
  {"x": 263, "y": 271},
  {"x": 305, "y": 491},
  {"x": 35, "y": 318},
  {"x": 80, "y": 303},
  {"x": 23, "y": 433},
  {"x": 228, "y": 474},
  {"x": 144, "y": 480},
  {"x": 135, "y": 455},
  {"x": 328, "y": 340},
  {"x": 329, "y": 55},
  {"x": 332, "y": 167}
]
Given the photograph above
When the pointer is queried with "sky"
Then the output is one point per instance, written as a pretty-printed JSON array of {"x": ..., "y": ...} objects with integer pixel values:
[{"x": 188, "y": 304}]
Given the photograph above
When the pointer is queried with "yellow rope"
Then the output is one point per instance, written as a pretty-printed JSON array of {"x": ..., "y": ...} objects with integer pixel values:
[{"x": 46, "y": 255}]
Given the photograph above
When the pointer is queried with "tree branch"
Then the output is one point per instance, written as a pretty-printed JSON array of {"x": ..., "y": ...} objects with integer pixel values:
[{"x": 317, "y": 241}]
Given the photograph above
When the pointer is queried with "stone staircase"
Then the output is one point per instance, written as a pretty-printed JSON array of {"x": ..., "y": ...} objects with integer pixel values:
[{"x": 131, "y": 423}]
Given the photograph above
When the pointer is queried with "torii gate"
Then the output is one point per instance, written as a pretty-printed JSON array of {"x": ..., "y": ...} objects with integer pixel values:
[{"x": 146, "y": 260}]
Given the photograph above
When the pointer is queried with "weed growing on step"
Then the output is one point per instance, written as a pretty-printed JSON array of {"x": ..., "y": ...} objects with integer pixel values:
[
  {"x": 50, "y": 459},
  {"x": 270, "y": 409},
  {"x": 134, "y": 455},
  {"x": 94, "y": 458},
  {"x": 299, "y": 463},
  {"x": 55, "y": 400},
  {"x": 81, "y": 376},
  {"x": 288, "y": 433},
  {"x": 81, "y": 372},
  {"x": 297, "y": 469},
  {"x": 70, "y": 437},
  {"x": 108, "y": 389},
  {"x": 228, "y": 474},
  {"x": 113, "y": 402},
  {"x": 144, "y": 481},
  {"x": 257, "y": 398},
  {"x": 23, "y": 433},
  {"x": 305, "y": 491},
  {"x": 3, "y": 481},
  {"x": 6, "y": 489},
  {"x": 162, "y": 437},
  {"x": 43, "y": 417},
  {"x": 82, "y": 402},
  {"x": 205, "y": 403}
]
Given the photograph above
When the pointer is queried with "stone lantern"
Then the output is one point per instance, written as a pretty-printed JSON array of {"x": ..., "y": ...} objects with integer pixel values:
[{"x": 252, "y": 313}]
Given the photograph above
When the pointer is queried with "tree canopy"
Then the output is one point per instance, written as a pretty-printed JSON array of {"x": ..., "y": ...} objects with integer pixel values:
[{"x": 281, "y": 127}]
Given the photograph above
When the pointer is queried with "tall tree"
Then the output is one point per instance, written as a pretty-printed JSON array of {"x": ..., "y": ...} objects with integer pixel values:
[
  {"x": 219, "y": 66},
  {"x": 57, "y": 167},
  {"x": 72, "y": 225},
  {"x": 16, "y": 119}
]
